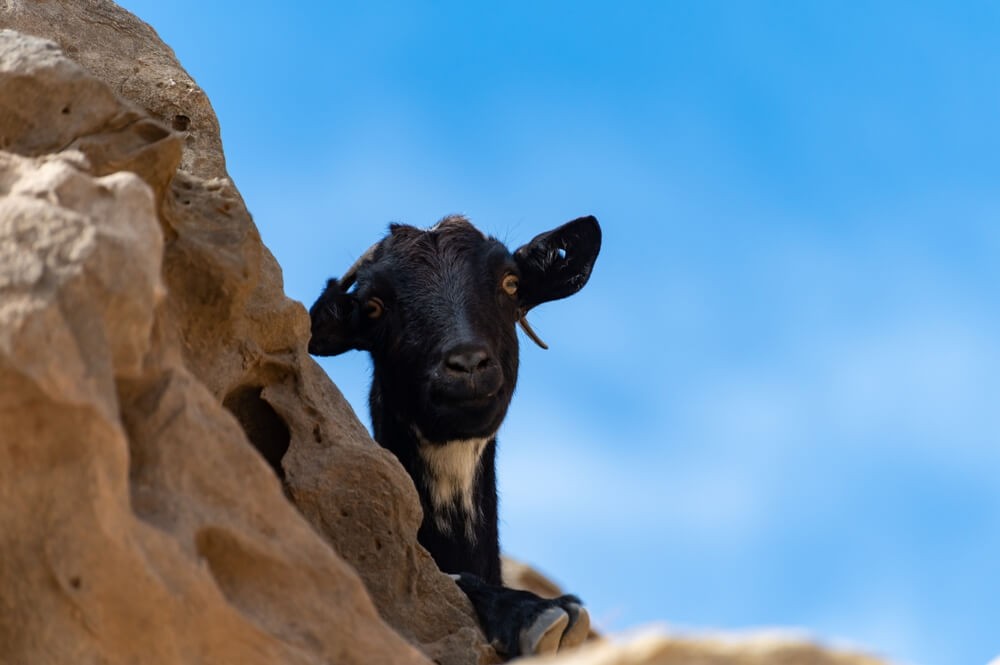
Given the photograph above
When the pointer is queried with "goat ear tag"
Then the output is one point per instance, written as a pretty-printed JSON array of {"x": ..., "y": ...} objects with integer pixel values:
[
  {"x": 335, "y": 322},
  {"x": 558, "y": 263}
]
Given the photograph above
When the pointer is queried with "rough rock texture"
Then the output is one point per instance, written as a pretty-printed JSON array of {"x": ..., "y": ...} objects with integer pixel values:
[
  {"x": 136, "y": 299},
  {"x": 655, "y": 649}
]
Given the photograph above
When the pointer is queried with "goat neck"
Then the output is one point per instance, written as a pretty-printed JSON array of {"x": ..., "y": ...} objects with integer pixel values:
[{"x": 456, "y": 483}]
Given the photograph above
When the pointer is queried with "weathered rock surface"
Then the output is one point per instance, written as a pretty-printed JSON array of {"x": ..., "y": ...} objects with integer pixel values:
[
  {"x": 125, "y": 537},
  {"x": 140, "y": 523},
  {"x": 180, "y": 482},
  {"x": 655, "y": 649}
]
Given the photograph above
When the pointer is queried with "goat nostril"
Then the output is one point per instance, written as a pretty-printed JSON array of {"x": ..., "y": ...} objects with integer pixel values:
[{"x": 467, "y": 362}]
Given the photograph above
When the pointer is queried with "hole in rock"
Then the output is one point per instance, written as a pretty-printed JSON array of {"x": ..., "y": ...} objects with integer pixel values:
[
  {"x": 181, "y": 123},
  {"x": 65, "y": 110},
  {"x": 263, "y": 426}
]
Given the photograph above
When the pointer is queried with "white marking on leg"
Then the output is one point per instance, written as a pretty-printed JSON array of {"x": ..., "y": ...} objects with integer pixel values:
[{"x": 451, "y": 471}]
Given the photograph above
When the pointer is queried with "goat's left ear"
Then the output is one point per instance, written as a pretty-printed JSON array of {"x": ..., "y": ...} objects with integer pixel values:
[
  {"x": 336, "y": 322},
  {"x": 557, "y": 264}
]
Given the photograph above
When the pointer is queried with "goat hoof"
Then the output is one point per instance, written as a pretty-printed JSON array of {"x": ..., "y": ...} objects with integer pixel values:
[
  {"x": 579, "y": 626},
  {"x": 545, "y": 633}
]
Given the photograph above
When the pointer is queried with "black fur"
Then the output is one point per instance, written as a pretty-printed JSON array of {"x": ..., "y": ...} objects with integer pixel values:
[{"x": 431, "y": 309}]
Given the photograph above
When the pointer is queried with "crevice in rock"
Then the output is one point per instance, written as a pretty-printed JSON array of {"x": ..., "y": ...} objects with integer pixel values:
[
  {"x": 235, "y": 567},
  {"x": 263, "y": 426}
]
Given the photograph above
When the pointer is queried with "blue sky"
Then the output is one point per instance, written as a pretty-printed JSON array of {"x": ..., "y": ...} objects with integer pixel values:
[{"x": 777, "y": 403}]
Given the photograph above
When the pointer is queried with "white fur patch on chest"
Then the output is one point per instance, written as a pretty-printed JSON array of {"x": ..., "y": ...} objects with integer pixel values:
[{"x": 451, "y": 471}]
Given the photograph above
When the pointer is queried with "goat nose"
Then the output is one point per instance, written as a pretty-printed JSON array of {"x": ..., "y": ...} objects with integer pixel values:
[{"x": 467, "y": 360}]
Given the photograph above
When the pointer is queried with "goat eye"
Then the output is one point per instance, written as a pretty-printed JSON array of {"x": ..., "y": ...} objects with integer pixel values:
[
  {"x": 509, "y": 284},
  {"x": 374, "y": 308}
]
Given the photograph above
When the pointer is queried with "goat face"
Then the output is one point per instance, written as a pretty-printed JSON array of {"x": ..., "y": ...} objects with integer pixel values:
[{"x": 437, "y": 311}]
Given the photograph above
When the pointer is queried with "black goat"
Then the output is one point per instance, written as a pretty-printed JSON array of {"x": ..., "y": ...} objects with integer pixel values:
[{"x": 437, "y": 311}]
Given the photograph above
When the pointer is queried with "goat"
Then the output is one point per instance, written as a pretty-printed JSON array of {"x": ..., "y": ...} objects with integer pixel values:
[{"x": 437, "y": 309}]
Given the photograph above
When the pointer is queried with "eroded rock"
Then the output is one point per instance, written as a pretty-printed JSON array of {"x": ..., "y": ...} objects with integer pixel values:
[
  {"x": 122, "y": 476},
  {"x": 661, "y": 649}
]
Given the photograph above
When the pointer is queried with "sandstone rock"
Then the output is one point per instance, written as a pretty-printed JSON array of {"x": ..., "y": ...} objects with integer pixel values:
[
  {"x": 141, "y": 525},
  {"x": 118, "y": 546},
  {"x": 660, "y": 649},
  {"x": 519, "y": 575}
]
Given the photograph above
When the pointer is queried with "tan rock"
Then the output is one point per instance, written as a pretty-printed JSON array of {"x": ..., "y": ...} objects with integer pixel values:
[
  {"x": 661, "y": 649},
  {"x": 124, "y": 538},
  {"x": 140, "y": 523},
  {"x": 519, "y": 575}
]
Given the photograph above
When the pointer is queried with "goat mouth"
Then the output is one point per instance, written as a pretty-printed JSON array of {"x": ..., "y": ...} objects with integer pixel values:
[
  {"x": 470, "y": 392},
  {"x": 463, "y": 409},
  {"x": 476, "y": 417},
  {"x": 467, "y": 401}
]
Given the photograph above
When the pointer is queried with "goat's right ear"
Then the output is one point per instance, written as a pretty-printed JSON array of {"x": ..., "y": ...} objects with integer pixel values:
[
  {"x": 557, "y": 264},
  {"x": 336, "y": 322}
]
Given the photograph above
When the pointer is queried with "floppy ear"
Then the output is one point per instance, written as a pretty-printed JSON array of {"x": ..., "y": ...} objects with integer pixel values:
[
  {"x": 557, "y": 263},
  {"x": 336, "y": 322}
]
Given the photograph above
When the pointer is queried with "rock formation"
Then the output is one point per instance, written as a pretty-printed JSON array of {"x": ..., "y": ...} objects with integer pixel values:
[
  {"x": 759, "y": 649},
  {"x": 181, "y": 482}
]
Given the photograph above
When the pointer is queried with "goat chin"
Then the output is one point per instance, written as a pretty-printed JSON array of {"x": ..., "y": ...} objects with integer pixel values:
[{"x": 441, "y": 422}]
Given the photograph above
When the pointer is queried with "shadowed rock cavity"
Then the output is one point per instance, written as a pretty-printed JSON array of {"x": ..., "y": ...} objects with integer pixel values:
[{"x": 263, "y": 426}]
